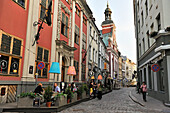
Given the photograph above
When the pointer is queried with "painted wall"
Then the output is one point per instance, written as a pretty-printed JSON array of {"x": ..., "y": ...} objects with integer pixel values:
[{"x": 13, "y": 21}]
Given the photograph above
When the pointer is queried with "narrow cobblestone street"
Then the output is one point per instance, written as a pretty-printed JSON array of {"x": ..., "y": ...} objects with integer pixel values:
[{"x": 117, "y": 101}]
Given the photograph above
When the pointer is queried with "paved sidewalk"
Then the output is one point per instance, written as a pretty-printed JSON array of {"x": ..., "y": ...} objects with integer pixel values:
[{"x": 151, "y": 102}]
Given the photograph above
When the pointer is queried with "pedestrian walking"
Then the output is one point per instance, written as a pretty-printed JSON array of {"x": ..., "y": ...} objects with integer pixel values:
[
  {"x": 138, "y": 87},
  {"x": 94, "y": 89},
  {"x": 99, "y": 88},
  {"x": 144, "y": 90},
  {"x": 91, "y": 89}
]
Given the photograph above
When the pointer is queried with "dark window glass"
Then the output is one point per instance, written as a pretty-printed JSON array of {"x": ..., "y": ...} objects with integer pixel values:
[
  {"x": 4, "y": 64},
  {"x": 62, "y": 28},
  {"x": 46, "y": 55},
  {"x": 16, "y": 47},
  {"x": 45, "y": 70},
  {"x": 3, "y": 90},
  {"x": 6, "y": 43},
  {"x": 14, "y": 66},
  {"x": 39, "y": 53},
  {"x": 22, "y": 2},
  {"x": 43, "y": 8}
]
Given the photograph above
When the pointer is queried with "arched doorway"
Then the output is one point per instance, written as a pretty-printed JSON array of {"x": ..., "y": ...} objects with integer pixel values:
[{"x": 63, "y": 70}]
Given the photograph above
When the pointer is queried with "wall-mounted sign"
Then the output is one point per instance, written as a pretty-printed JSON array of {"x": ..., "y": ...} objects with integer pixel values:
[
  {"x": 41, "y": 65},
  {"x": 31, "y": 70},
  {"x": 155, "y": 67}
]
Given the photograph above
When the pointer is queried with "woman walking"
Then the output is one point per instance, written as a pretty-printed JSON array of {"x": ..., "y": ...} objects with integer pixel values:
[
  {"x": 144, "y": 90},
  {"x": 91, "y": 89},
  {"x": 99, "y": 87}
]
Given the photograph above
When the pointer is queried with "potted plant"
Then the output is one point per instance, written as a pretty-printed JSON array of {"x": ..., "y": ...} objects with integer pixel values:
[
  {"x": 60, "y": 99},
  {"x": 26, "y": 99},
  {"x": 47, "y": 96},
  {"x": 69, "y": 94},
  {"x": 80, "y": 90}
]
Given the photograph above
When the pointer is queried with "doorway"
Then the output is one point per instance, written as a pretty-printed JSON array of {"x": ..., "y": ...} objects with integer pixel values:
[{"x": 63, "y": 70}]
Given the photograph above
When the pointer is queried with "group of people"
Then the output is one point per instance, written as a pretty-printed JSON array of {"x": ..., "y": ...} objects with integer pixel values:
[
  {"x": 142, "y": 89},
  {"x": 95, "y": 89},
  {"x": 39, "y": 89}
]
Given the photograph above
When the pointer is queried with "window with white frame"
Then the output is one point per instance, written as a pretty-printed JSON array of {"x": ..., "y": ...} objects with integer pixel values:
[{"x": 64, "y": 25}]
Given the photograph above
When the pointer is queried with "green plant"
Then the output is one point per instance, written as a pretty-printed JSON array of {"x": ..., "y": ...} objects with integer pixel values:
[
  {"x": 48, "y": 93},
  {"x": 85, "y": 87},
  {"x": 69, "y": 93},
  {"x": 80, "y": 90},
  {"x": 29, "y": 94}
]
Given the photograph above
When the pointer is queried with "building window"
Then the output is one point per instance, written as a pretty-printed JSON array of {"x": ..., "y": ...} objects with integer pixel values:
[
  {"x": 142, "y": 18},
  {"x": 143, "y": 42},
  {"x": 77, "y": 35},
  {"x": 149, "y": 77},
  {"x": 77, "y": 11},
  {"x": 84, "y": 20},
  {"x": 161, "y": 76},
  {"x": 94, "y": 35},
  {"x": 42, "y": 56},
  {"x": 64, "y": 25},
  {"x": 138, "y": 26},
  {"x": 146, "y": 6},
  {"x": 90, "y": 53},
  {"x": 44, "y": 6},
  {"x": 76, "y": 65},
  {"x": 10, "y": 58},
  {"x": 158, "y": 22},
  {"x": 90, "y": 31},
  {"x": 20, "y": 2},
  {"x": 3, "y": 91},
  {"x": 147, "y": 34},
  {"x": 84, "y": 42},
  {"x": 96, "y": 57},
  {"x": 93, "y": 55},
  {"x": 139, "y": 50}
]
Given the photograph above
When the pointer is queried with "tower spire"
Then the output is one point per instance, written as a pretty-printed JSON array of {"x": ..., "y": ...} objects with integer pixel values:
[
  {"x": 108, "y": 12},
  {"x": 107, "y": 4}
]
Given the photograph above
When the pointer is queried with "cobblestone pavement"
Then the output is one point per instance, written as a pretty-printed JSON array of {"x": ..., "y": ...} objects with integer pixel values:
[{"x": 117, "y": 101}]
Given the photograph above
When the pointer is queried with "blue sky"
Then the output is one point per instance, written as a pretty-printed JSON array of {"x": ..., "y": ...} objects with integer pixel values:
[{"x": 122, "y": 15}]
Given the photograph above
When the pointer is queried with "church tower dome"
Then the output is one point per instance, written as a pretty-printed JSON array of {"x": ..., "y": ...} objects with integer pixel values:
[{"x": 108, "y": 12}]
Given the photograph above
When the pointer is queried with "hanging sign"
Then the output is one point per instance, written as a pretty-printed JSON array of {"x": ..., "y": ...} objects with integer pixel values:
[{"x": 155, "y": 67}]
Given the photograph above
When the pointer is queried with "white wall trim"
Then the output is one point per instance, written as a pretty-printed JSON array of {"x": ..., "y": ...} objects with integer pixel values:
[{"x": 162, "y": 47}]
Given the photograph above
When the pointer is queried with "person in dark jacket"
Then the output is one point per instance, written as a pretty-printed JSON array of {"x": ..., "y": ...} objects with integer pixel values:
[{"x": 39, "y": 89}]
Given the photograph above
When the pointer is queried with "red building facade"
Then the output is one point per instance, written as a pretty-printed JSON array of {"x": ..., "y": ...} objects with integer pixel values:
[{"x": 64, "y": 41}]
